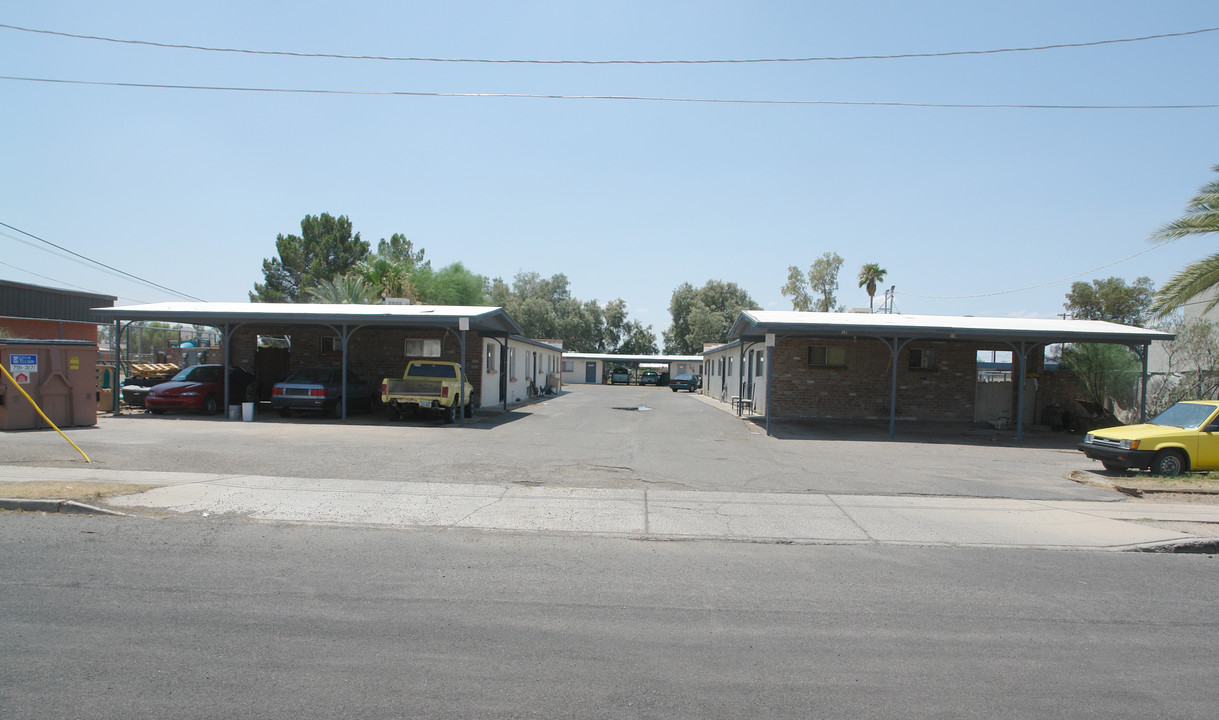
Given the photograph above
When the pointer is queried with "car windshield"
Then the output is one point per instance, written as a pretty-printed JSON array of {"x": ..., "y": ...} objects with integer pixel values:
[
  {"x": 309, "y": 377},
  {"x": 199, "y": 374},
  {"x": 1184, "y": 415}
]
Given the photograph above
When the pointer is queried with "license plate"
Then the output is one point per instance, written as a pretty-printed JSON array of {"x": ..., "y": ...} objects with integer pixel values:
[{"x": 426, "y": 404}]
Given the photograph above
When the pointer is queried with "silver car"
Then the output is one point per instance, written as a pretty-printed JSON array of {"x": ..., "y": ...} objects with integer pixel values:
[{"x": 321, "y": 390}]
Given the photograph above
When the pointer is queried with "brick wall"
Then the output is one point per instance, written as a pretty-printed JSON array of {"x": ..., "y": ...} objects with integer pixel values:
[
  {"x": 372, "y": 353},
  {"x": 861, "y": 388}
]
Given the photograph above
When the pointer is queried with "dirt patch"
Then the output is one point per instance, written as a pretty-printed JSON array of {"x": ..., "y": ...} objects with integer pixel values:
[
  {"x": 1188, "y": 489},
  {"x": 86, "y": 492}
]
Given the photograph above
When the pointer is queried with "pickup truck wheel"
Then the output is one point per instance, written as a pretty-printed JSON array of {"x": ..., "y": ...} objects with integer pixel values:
[
  {"x": 1169, "y": 463},
  {"x": 448, "y": 415},
  {"x": 1114, "y": 467},
  {"x": 469, "y": 411},
  {"x": 392, "y": 412}
]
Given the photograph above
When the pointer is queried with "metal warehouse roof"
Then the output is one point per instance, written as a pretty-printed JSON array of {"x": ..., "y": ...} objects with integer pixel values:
[
  {"x": 632, "y": 358},
  {"x": 755, "y": 324},
  {"x": 48, "y": 303},
  {"x": 486, "y": 320}
]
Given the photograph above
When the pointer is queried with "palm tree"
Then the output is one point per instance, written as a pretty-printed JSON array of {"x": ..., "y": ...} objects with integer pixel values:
[
  {"x": 347, "y": 289},
  {"x": 1201, "y": 217},
  {"x": 387, "y": 276},
  {"x": 870, "y": 276}
]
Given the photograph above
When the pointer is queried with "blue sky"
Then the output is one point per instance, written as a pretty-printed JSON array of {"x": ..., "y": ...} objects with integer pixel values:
[{"x": 629, "y": 199}]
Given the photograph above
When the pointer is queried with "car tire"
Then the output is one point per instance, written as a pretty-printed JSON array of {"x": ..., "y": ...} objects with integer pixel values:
[
  {"x": 448, "y": 415},
  {"x": 211, "y": 405},
  {"x": 469, "y": 411},
  {"x": 673, "y": 389},
  {"x": 285, "y": 412},
  {"x": 157, "y": 412},
  {"x": 1169, "y": 463},
  {"x": 1114, "y": 467}
]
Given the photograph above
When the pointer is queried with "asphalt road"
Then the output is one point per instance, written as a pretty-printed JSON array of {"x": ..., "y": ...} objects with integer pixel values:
[
  {"x": 203, "y": 618},
  {"x": 592, "y": 436}
]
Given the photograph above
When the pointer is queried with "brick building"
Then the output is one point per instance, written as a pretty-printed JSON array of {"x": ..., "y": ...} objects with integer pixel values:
[{"x": 916, "y": 368}]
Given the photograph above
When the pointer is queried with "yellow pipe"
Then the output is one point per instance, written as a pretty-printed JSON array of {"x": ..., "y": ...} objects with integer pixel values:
[{"x": 40, "y": 412}]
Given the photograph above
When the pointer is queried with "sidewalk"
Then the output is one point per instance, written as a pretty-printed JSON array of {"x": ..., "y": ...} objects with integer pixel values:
[{"x": 658, "y": 514}]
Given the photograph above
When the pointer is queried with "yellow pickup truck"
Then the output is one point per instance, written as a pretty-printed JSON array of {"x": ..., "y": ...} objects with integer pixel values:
[
  {"x": 1184, "y": 437},
  {"x": 430, "y": 386}
]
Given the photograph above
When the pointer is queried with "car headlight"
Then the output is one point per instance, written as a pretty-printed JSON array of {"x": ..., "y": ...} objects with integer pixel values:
[
  {"x": 1088, "y": 438},
  {"x": 189, "y": 394},
  {"x": 1130, "y": 444}
]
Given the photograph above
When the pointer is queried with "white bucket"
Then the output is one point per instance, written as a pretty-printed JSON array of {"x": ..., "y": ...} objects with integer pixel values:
[
  {"x": 247, "y": 412},
  {"x": 234, "y": 412}
]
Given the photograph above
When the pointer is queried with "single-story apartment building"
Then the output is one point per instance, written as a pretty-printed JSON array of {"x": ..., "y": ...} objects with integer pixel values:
[
  {"x": 585, "y": 368},
  {"x": 520, "y": 369},
  {"x": 850, "y": 366}
]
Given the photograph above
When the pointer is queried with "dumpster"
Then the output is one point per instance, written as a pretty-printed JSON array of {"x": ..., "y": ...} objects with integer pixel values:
[{"x": 60, "y": 375}]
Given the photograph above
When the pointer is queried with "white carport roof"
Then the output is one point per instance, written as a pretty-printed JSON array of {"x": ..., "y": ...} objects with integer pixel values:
[
  {"x": 613, "y": 357},
  {"x": 486, "y": 320},
  {"x": 756, "y": 324}
]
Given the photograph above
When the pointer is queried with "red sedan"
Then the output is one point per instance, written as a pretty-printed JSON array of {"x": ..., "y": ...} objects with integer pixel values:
[{"x": 200, "y": 388}]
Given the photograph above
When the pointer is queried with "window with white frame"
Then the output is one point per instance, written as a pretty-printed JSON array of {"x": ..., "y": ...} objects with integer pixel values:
[
  {"x": 569, "y": 366},
  {"x": 420, "y": 347},
  {"x": 512, "y": 362}
]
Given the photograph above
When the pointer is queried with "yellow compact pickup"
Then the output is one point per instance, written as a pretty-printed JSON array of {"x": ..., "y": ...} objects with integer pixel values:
[
  {"x": 1184, "y": 437},
  {"x": 430, "y": 386}
]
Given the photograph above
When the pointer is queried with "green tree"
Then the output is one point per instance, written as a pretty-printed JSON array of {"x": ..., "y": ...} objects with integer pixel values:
[
  {"x": 870, "y": 276},
  {"x": 703, "y": 315},
  {"x": 1191, "y": 365},
  {"x": 796, "y": 288},
  {"x": 400, "y": 250},
  {"x": 451, "y": 285},
  {"x": 348, "y": 289},
  {"x": 1201, "y": 217},
  {"x": 823, "y": 280},
  {"x": 1113, "y": 300},
  {"x": 325, "y": 249},
  {"x": 1104, "y": 372},
  {"x": 623, "y": 335}
]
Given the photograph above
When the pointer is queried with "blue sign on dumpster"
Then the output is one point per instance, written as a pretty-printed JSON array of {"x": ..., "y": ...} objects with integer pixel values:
[{"x": 23, "y": 363}]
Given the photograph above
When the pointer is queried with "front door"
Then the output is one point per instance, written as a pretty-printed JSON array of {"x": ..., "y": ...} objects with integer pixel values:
[{"x": 590, "y": 372}]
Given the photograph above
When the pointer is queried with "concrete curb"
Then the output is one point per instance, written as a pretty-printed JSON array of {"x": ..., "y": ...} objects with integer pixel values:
[{"x": 66, "y": 507}]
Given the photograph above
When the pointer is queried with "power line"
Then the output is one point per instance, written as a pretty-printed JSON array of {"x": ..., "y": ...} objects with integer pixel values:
[
  {"x": 639, "y": 98},
  {"x": 1040, "y": 285},
  {"x": 828, "y": 58},
  {"x": 65, "y": 283},
  {"x": 97, "y": 263}
]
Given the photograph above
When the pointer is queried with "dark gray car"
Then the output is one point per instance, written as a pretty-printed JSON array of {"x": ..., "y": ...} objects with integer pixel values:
[{"x": 320, "y": 390}]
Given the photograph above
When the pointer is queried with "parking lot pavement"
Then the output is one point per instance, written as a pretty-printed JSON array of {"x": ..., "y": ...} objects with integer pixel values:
[
  {"x": 614, "y": 437},
  {"x": 648, "y": 513}
]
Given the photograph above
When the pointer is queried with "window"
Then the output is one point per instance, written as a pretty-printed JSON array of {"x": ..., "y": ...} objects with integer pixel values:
[
  {"x": 761, "y": 369},
  {"x": 418, "y": 347},
  {"x": 331, "y": 344},
  {"x": 569, "y": 366},
  {"x": 512, "y": 362},
  {"x": 922, "y": 359},
  {"x": 819, "y": 356},
  {"x": 729, "y": 367},
  {"x": 490, "y": 357}
]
